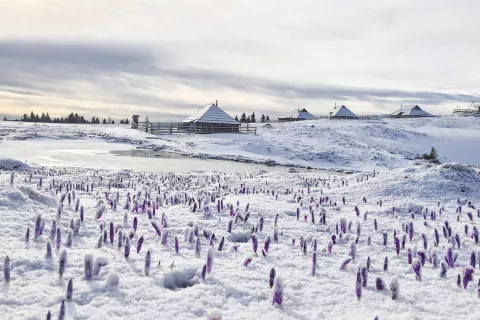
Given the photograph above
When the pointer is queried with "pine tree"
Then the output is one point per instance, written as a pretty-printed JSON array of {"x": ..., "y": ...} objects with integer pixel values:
[
  {"x": 37, "y": 118},
  {"x": 248, "y": 119},
  {"x": 126, "y": 121},
  {"x": 243, "y": 118},
  {"x": 104, "y": 121},
  {"x": 113, "y": 121},
  {"x": 97, "y": 121},
  {"x": 5, "y": 118},
  {"x": 47, "y": 118},
  {"x": 42, "y": 117},
  {"x": 32, "y": 116},
  {"x": 236, "y": 118},
  {"x": 268, "y": 118},
  {"x": 25, "y": 117},
  {"x": 252, "y": 118},
  {"x": 262, "y": 118},
  {"x": 122, "y": 122}
]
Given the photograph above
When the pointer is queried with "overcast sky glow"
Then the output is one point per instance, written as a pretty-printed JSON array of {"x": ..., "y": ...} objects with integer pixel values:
[{"x": 167, "y": 58}]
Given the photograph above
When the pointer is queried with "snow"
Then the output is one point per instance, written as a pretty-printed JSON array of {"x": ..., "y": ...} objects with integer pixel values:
[
  {"x": 409, "y": 190},
  {"x": 349, "y": 145}
]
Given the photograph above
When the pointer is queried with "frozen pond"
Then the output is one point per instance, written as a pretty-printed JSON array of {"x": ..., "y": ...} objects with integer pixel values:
[{"x": 115, "y": 156}]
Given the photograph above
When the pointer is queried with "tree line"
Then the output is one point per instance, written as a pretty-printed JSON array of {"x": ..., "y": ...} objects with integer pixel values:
[
  {"x": 251, "y": 118},
  {"x": 71, "y": 118}
]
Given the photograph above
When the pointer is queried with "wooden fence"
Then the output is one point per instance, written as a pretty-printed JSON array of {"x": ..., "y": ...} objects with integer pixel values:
[{"x": 182, "y": 127}]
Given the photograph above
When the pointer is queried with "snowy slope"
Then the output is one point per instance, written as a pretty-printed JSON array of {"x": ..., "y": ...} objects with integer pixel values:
[
  {"x": 348, "y": 144},
  {"x": 173, "y": 288}
]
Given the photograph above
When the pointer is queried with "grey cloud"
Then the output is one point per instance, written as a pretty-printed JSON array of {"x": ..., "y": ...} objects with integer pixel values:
[{"x": 42, "y": 68}]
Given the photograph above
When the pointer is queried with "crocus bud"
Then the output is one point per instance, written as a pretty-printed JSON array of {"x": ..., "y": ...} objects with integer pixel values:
[
  {"x": 358, "y": 285},
  {"x": 344, "y": 263},
  {"x": 197, "y": 248},
  {"x": 69, "y": 290},
  {"x": 467, "y": 276},
  {"x": 6, "y": 269},
  {"x": 368, "y": 263},
  {"x": 61, "y": 314},
  {"x": 176, "y": 245},
  {"x": 364, "y": 272},
  {"x": 210, "y": 257},
  {"x": 379, "y": 283},
  {"x": 272, "y": 277},
  {"x": 139, "y": 244},
  {"x": 275, "y": 234},
  {"x": 204, "y": 272},
  {"x": 443, "y": 269},
  {"x": 277, "y": 291},
  {"x": 88, "y": 267},
  {"x": 126, "y": 251},
  {"x": 59, "y": 238},
  {"x": 417, "y": 268},
  {"x": 48, "y": 254},
  {"x": 397, "y": 245},
  {"x": 62, "y": 262},
  {"x": 148, "y": 261},
  {"x": 385, "y": 265},
  {"x": 314, "y": 263},
  {"x": 220, "y": 246},
  {"x": 395, "y": 288}
]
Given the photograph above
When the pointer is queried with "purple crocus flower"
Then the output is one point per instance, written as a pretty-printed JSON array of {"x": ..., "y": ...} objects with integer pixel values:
[
  {"x": 375, "y": 225},
  {"x": 397, "y": 245},
  {"x": 410, "y": 231},
  {"x": 437, "y": 238},
  {"x": 467, "y": 276},
  {"x": 434, "y": 257},
  {"x": 459, "y": 281},
  {"x": 417, "y": 268},
  {"x": 385, "y": 265},
  {"x": 277, "y": 291},
  {"x": 38, "y": 226},
  {"x": 379, "y": 284},
  {"x": 385, "y": 238},
  {"x": 112, "y": 232},
  {"x": 368, "y": 263},
  {"x": 473, "y": 259},
  {"x": 314, "y": 263},
  {"x": 139, "y": 244},
  {"x": 334, "y": 238},
  {"x": 272, "y": 277}
]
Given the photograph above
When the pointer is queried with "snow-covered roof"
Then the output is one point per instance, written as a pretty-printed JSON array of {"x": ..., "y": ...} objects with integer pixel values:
[
  {"x": 211, "y": 114},
  {"x": 415, "y": 112},
  {"x": 305, "y": 115},
  {"x": 344, "y": 112}
]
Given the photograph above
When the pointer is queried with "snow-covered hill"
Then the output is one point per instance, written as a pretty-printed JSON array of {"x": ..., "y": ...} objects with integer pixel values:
[{"x": 348, "y": 144}]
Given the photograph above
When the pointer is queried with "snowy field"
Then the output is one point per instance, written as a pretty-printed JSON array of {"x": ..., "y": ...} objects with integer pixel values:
[
  {"x": 206, "y": 233},
  {"x": 351, "y": 145}
]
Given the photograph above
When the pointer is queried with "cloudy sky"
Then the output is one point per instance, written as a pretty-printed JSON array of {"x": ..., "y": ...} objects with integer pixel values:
[{"x": 167, "y": 58}]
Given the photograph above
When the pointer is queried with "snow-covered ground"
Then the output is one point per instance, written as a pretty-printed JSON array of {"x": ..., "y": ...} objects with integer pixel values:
[
  {"x": 401, "y": 193},
  {"x": 351, "y": 145}
]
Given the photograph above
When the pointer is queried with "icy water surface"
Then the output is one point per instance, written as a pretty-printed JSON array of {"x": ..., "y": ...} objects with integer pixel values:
[{"x": 115, "y": 156}]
